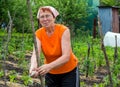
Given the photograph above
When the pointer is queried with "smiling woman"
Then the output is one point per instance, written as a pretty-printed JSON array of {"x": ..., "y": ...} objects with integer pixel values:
[
  {"x": 60, "y": 68},
  {"x": 46, "y": 17}
]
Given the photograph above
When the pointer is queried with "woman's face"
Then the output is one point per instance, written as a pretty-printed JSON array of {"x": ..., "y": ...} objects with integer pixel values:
[{"x": 46, "y": 19}]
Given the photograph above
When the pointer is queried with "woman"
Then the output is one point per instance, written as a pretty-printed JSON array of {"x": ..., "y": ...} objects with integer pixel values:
[{"x": 54, "y": 41}]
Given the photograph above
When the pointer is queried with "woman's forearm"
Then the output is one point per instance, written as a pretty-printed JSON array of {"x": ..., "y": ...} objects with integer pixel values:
[
  {"x": 60, "y": 61},
  {"x": 33, "y": 62}
]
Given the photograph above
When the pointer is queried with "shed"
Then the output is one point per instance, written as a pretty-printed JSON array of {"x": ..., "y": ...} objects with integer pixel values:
[{"x": 109, "y": 17}]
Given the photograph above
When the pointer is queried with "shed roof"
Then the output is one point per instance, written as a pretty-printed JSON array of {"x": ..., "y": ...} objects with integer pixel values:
[{"x": 117, "y": 7}]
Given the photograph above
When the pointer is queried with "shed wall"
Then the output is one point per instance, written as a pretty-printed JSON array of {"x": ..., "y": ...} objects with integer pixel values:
[
  {"x": 115, "y": 22},
  {"x": 105, "y": 16}
]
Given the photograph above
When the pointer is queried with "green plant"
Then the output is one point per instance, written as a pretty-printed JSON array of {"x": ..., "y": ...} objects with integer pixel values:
[
  {"x": 99, "y": 85},
  {"x": 1, "y": 73},
  {"x": 27, "y": 80},
  {"x": 110, "y": 2},
  {"x": 12, "y": 76},
  {"x": 82, "y": 84},
  {"x": 115, "y": 80},
  {"x": 24, "y": 64}
]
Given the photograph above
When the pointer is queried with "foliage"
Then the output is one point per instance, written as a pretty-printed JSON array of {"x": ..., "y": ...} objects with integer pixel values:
[
  {"x": 26, "y": 80},
  {"x": 110, "y": 2},
  {"x": 12, "y": 76},
  {"x": 96, "y": 58},
  {"x": 72, "y": 12},
  {"x": 19, "y": 14},
  {"x": 1, "y": 73}
]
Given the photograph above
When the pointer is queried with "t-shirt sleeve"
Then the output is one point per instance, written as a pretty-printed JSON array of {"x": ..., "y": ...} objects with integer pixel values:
[
  {"x": 38, "y": 34},
  {"x": 62, "y": 29}
]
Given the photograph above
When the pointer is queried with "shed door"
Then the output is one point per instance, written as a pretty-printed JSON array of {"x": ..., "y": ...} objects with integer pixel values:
[{"x": 115, "y": 22}]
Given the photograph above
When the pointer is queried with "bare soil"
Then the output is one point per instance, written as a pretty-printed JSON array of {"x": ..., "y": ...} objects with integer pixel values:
[{"x": 12, "y": 64}]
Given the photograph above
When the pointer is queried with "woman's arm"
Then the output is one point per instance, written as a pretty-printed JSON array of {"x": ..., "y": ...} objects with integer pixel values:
[{"x": 33, "y": 57}]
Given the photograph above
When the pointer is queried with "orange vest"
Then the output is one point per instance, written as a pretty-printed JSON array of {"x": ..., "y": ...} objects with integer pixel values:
[{"x": 51, "y": 47}]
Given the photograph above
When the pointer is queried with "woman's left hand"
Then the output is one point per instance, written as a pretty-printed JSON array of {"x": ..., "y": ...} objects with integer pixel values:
[{"x": 44, "y": 69}]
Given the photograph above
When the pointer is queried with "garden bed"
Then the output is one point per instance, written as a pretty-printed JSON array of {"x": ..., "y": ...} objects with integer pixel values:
[{"x": 11, "y": 65}]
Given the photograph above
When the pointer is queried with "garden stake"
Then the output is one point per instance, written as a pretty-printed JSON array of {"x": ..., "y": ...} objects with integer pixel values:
[
  {"x": 115, "y": 50},
  {"x": 115, "y": 54},
  {"x": 104, "y": 52},
  {"x": 88, "y": 62},
  {"x": 94, "y": 28},
  {"x": 92, "y": 48},
  {"x": 35, "y": 42},
  {"x": 9, "y": 28}
]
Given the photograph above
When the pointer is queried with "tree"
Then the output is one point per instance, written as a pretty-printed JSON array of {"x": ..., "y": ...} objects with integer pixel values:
[
  {"x": 18, "y": 10},
  {"x": 72, "y": 12}
]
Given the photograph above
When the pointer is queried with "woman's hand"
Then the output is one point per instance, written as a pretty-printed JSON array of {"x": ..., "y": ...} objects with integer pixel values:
[
  {"x": 44, "y": 69},
  {"x": 33, "y": 72}
]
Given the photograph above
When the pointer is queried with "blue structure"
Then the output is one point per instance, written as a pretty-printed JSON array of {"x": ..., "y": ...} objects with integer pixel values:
[
  {"x": 94, "y": 11},
  {"x": 109, "y": 18}
]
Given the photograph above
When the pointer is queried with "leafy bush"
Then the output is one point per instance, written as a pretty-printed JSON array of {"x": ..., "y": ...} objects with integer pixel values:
[
  {"x": 72, "y": 12},
  {"x": 110, "y": 2}
]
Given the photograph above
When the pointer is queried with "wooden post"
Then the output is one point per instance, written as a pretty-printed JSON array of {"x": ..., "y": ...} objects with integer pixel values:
[
  {"x": 9, "y": 28},
  {"x": 35, "y": 42},
  {"x": 105, "y": 54},
  {"x": 94, "y": 28},
  {"x": 115, "y": 50},
  {"x": 88, "y": 62}
]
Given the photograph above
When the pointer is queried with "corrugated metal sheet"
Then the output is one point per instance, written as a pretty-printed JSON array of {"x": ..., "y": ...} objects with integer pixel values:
[
  {"x": 109, "y": 18},
  {"x": 105, "y": 16}
]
